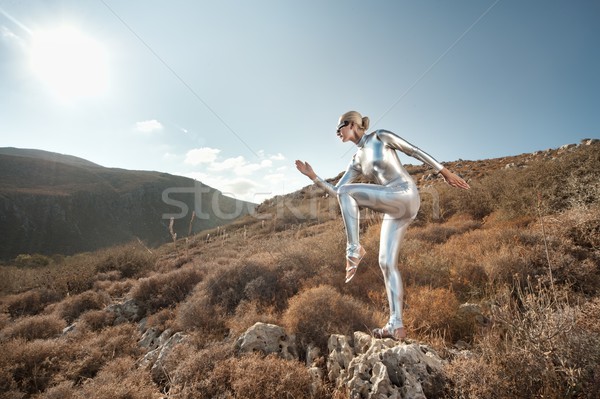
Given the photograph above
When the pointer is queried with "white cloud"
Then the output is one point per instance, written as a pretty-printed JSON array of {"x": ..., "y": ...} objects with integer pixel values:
[
  {"x": 278, "y": 157},
  {"x": 201, "y": 155},
  {"x": 228, "y": 164},
  {"x": 236, "y": 176},
  {"x": 148, "y": 126}
]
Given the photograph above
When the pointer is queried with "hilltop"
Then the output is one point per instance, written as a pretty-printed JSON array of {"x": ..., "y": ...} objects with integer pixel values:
[
  {"x": 502, "y": 300},
  {"x": 59, "y": 204}
]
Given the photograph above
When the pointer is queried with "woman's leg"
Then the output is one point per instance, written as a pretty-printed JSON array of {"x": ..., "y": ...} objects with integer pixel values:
[
  {"x": 398, "y": 202},
  {"x": 392, "y": 233}
]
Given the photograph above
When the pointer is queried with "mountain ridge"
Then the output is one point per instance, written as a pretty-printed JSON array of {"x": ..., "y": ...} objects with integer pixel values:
[{"x": 53, "y": 203}]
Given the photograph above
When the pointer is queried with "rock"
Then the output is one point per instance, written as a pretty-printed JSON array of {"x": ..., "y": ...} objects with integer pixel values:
[
  {"x": 471, "y": 312},
  {"x": 383, "y": 368},
  {"x": 149, "y": 339},
  {"x": 153, "y": 338},
  {"x": 158, "y": 370},
  {"x": 312, "y": 355},
  {"x": 126, "y": 312},
  {"x": 69, "y": 329},
  {"x": 589, "y": 141},
  {"x": 268, "y": 339},
  {"x": 566, "y": 147}
]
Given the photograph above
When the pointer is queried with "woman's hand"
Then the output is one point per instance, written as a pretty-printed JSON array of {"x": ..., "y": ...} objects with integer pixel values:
[
  {"x": 306, "y": 169},
  {"x": 454, "y": 180}
]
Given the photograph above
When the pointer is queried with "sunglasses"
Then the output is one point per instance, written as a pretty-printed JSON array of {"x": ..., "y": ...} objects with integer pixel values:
[{"x": 341, "y": 125}]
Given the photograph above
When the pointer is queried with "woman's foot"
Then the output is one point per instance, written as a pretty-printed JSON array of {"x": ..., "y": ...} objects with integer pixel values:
[
  {"x": 352, "y": 263},
  {"x": 389, "y": 331}
]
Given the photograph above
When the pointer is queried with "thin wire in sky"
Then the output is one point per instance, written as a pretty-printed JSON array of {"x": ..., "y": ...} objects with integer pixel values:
[
  {"x": 431, "y": 67},
  {"x": 181, "y": 80},
  {"x": 436, "y": 61},
  {"x": 15, "y": 21}
]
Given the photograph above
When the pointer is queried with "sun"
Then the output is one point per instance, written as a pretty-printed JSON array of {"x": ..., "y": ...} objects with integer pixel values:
[{"x": 69, "y": 63}]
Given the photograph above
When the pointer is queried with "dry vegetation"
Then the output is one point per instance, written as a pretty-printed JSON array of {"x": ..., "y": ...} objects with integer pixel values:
[{"x": 522, "y": 247}]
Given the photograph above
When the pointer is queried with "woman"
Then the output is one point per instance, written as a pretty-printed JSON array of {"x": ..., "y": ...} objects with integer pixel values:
[{"x": 395, "y": 195}]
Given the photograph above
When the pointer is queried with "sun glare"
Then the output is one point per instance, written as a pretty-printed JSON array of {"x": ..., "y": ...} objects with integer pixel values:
[{"x": 71, "y": 64}]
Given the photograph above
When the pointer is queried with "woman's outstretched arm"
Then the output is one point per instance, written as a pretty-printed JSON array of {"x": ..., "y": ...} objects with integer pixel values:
[
  {"x": 307, "y": 170},
  {"x": 400, "y": 144}
]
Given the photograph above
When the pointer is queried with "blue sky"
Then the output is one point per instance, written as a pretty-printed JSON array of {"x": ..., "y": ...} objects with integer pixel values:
[{"x": 232, "y": 92}]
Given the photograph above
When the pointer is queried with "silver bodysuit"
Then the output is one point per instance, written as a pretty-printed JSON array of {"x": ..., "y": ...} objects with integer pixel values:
[{"x": 396, "y": 195}]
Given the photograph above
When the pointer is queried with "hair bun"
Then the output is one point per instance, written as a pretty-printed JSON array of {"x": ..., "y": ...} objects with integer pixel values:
[{"x": 365, "y": 123}]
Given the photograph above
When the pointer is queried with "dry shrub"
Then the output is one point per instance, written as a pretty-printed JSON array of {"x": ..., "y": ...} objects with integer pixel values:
[
  {"x": 89, "y": 351},
  {"x": 271, "y": 378},
  {"x": 62, "y": 390},
  {"x": 72, "y": 307},
  {"x": 28, "y": 367},
  {"x": 438, "y": 233},
  {"x": 129, "y": 260},
  {"x": 316, "y": 313},
  {"x": 191, "y": 370},
  {"x": 227, "y": 286},
  {"x": 424, "y": 264},
  {"x": 119, "y": 379},
  {"x": 162, "y": 320},
  {"x": 4, "y": 320},
  {"x": 116, "y": 289},
  {"x": 430, "y": 311},
  {"x": 247, "y": 314},
  {"x": 31, "y": 302},
  {"x": 165, "y": 290},
  {"x": 197, "y": 313},
  {"x": 540, "y": 346},
  {"x": 35, "y": 327},
  {"x": 96, "y": 320}
]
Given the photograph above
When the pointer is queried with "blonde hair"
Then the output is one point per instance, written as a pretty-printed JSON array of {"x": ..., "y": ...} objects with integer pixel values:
[{"x": 357, "y": 118}]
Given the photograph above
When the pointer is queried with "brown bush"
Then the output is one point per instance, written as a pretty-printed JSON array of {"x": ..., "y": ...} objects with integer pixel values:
[
  {"x": 4, "y": 320},
  {"x": 35, "y": 327},
  {"x": 163, "y": 319},
  {"x": 62, "y": 390},
  {"x": 96, "y": 320},
  {"x": 431, "y": 311},
  {"x": 537, "y": 348},
  {"x": 247, "y": 314},
  {"x": 119, "y": 379},
  {"x": 438, "y": 233},
  {"x": 316, "y": 313},
  {"x": 197, "y": 313},
  {"x": 270, "y": 378},
  {"x": 71, "y": 307},
  {"x": 165, "y": 290},
  {"x": 31, "y": 302},
  {"x": 116, "y": 289},
  {"x": 28, "y": 367},
  {"x": 192, "y": 370},
  {"x": 129, "y": 260},
  {"x": 90, "y": 351},
  {"x": 227, "y": 286},
  {"x": 424, "y": 264}
]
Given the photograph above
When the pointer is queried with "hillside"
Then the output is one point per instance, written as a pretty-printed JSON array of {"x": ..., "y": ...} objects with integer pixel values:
[
  {"x": 502, "y": 300},
  {"x": 59, "y": 204}
]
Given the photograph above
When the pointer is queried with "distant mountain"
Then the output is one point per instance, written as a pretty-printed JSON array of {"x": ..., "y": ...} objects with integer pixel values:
[{"x": 59, "y": 204}]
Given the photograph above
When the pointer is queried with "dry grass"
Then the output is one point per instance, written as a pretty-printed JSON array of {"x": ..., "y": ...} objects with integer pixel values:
[
  {"x": 540, "y": 346},
  {"x": 316, "y": 313},
  {"x": 72, "y": 307},
  {"x": 165, "y": 290},
  {"x": 523, "y": 244},
  {"x": 34, "y": 327}
]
